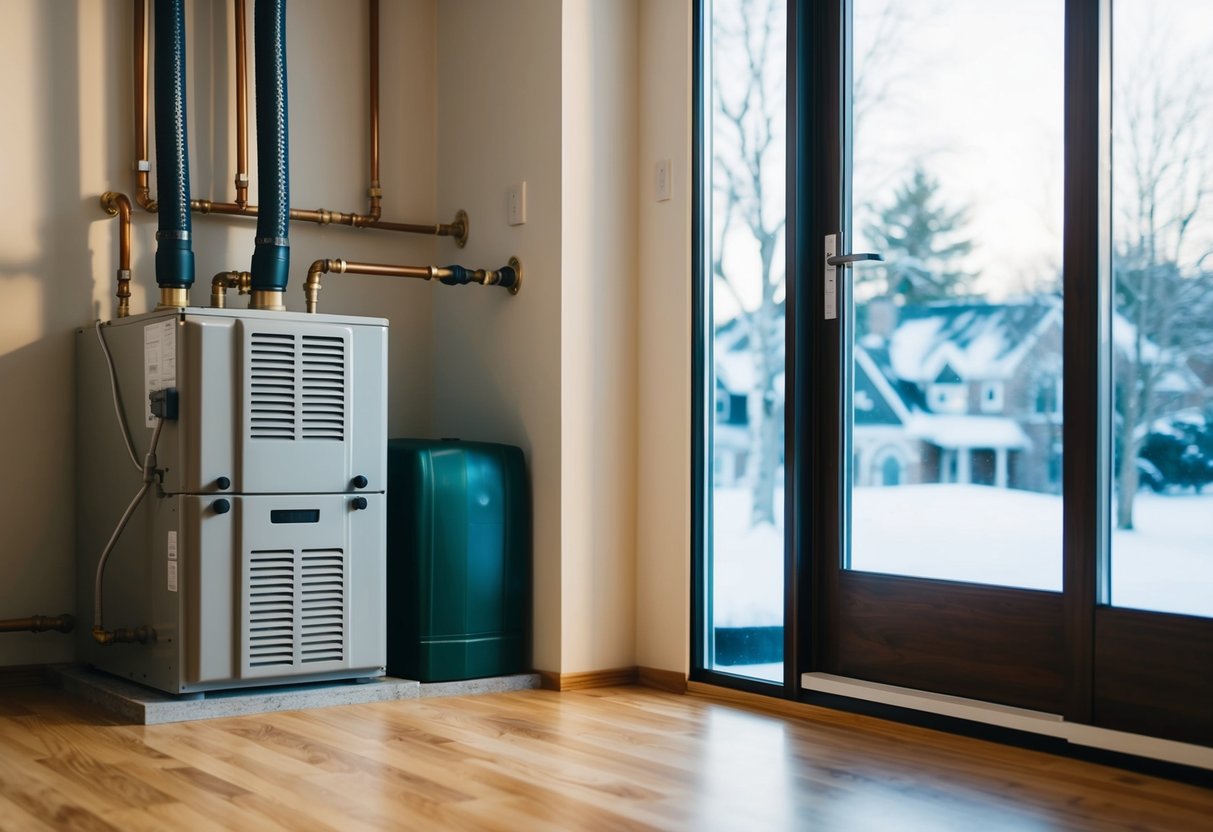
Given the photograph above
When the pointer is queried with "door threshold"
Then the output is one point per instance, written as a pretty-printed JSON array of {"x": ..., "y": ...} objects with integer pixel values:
[{"x": 1017, "y": 719}]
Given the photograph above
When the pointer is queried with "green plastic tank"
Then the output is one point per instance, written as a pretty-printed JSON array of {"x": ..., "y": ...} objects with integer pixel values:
[{"x": 458, "y": 560}]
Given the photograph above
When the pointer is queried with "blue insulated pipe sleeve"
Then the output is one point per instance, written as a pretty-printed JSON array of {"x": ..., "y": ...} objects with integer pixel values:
[
  {"x": 272, "y": 253},
  {"x": 174, "y": 252}
]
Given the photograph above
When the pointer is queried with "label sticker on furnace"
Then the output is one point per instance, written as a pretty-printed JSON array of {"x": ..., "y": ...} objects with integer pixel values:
[
  {"x": 159, "y": 362},
  {"x": 172, "y": 561}
]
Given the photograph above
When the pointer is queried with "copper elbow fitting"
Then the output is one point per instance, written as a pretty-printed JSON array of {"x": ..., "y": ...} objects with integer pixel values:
[
  {"x": 312, "y": 287},
  {"x": 221, "y": 282}
]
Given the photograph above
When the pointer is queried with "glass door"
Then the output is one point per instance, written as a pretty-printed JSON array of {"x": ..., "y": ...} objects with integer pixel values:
[
  {"x": 1011, "y": 242},
  {"x": 1153, "y": 642},
  {"x": 741, "y": 346},
  {"x": 954, "y": 352},
  {"x": 948, "y": 573}
]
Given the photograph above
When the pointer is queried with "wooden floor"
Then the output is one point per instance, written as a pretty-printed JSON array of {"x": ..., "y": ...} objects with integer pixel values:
[{"x": 614, "y": 758}]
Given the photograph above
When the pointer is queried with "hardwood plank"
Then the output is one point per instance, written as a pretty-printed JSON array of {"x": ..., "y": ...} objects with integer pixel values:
[
  {"x": 605, "y": 758},
  {"x": 14, "y": 816}
]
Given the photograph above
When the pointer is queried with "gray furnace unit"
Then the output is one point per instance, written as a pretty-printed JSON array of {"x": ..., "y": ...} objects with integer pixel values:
[{"x": 257, "y": 555}]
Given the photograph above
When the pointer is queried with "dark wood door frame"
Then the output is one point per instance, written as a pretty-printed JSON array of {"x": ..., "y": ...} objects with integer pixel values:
[{"x": 1065, "y": 653}]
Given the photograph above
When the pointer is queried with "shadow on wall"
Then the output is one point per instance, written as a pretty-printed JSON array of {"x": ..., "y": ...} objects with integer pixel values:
[{"x": 47, "y": 294}]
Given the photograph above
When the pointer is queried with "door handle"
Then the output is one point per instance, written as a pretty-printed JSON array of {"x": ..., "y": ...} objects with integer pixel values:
[
  {"x": 848, "y": 259},
  {"x": 834, "y": 261}
]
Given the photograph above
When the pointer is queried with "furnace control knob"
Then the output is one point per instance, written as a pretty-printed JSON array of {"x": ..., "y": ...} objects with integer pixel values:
[
  {"x": 359, "y": 503},
  {"x": 223, "y": 483},
  {"x": 359, "y": 481},
  {"x": 221, "y": 506}
]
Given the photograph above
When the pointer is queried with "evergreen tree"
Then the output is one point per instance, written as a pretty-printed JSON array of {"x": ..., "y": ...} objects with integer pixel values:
[{"x": 921, "y": 240}]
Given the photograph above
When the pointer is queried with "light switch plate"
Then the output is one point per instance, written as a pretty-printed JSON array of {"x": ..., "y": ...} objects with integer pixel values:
[
  {"x": 663, "y": 185},
  {"x": 515, "y": 204}
]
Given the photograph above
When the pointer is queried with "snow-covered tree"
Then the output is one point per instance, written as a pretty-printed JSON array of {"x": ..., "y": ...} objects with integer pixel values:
[
  {"x": 1163, "y": 193},
  {"x": 748, "y": 105},
  {"x": 923, "y": 242}
]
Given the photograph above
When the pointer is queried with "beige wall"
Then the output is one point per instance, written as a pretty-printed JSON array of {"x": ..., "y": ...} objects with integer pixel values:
[
  {"x": 598, "y": 335},
  {"x": 587, "y": 369},
  {"x": 496, "y": 357},
  {"x": 552, "y": 369},
  {"x": 663, "y": 473},
  {"x": 67, "y": 138}
]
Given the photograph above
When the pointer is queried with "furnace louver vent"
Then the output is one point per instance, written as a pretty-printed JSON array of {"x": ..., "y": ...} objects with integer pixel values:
[
  {"x": 323, "y": 377},
  {"x": 272, "y": 379},
  {"x": 297, "y": 386},
  {"x": 295, "y": 614},
  {"x": 271, "y": 608},
  {"x": 323, "y": 606}
]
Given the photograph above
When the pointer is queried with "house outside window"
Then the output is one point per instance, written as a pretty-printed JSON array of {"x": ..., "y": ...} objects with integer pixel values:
[
  {"x": 991, "y": 397},
  {"x": 948, "y": 398}
]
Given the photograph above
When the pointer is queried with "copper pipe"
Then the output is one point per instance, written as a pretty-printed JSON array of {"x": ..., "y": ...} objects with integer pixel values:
[
  {"x": 119, "y": 205},
  {"x": 375, "y": 191},
  {"x": 142, "y": 164},
  {"x": 241, "y": 107},
  {"x": 509, "y": 277},
  {"x": 322, "y": 216},
  {"x": 457, "y": 229},
  {"x": 38, "y": 624}
]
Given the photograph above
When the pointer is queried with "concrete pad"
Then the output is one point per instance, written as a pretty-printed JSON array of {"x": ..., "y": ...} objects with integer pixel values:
[{"x": 133, "y": 703}]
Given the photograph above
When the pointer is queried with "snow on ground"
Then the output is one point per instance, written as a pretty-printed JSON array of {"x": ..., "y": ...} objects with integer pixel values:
[{"x": 972, "y": 533}]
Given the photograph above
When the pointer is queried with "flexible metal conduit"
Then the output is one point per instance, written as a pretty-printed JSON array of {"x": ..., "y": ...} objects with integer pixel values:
[
  {"x": 272, "y": 254},
  {"x": 458, "y": 229},
  {"x": 507, "y": 277},
  {"x": 174, "y": 254}
]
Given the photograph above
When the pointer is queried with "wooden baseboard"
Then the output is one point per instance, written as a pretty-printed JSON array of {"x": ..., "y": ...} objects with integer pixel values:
[
  {"x": 774, "y": 705},
  {"x": 667, "y": 680},
  {"x": 551, "y": 680},
  {"x": 22, "y": 675}
]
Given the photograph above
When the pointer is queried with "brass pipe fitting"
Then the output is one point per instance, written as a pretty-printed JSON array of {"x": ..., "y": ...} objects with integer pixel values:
[
  {"x": 123, "y": 635},
  {"x": 174, "y": 298},
  {"x": 268, "y": 299},
  {"x": 119, "y": 205},
  {"x": 312, "y": 287},
  {"x": 38, "y": 624},
  {"x": 220, "y": 283}
]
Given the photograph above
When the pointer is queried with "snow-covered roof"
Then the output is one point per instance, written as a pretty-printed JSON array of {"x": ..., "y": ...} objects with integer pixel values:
[
  {"x": 949, "y": 431},
  {"x": 979, "y": 341},
  {"x": 736, "y": 371},
  {"x": 876, "y": 399}
]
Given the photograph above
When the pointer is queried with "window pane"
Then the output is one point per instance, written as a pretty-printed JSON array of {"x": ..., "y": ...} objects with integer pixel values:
[
  {"x": 746, "y": 536},
  {"x": 1162, "y": 322},
  {"x": 956, "y": 361}
]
